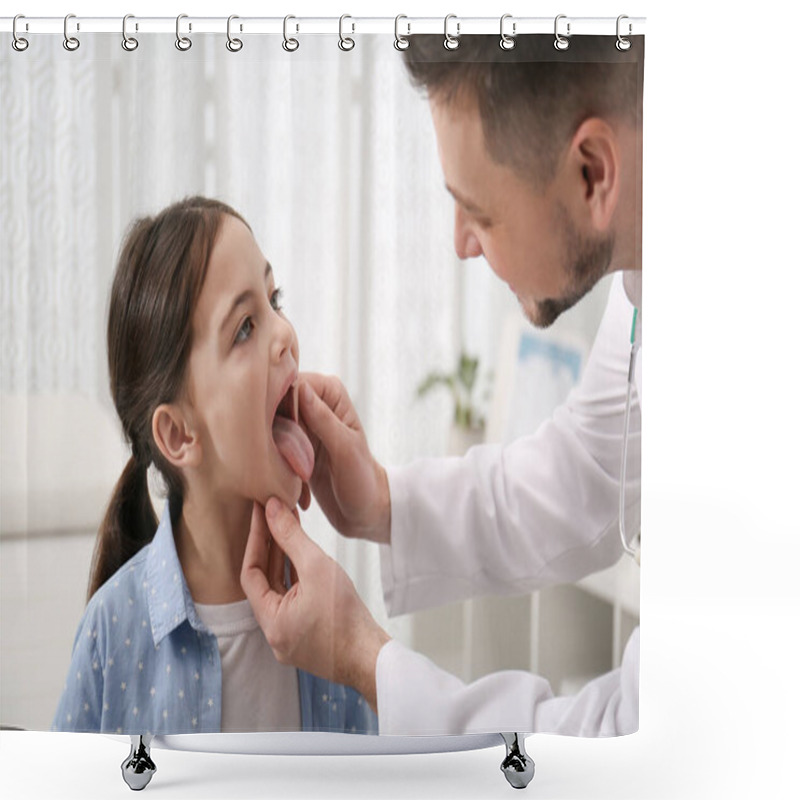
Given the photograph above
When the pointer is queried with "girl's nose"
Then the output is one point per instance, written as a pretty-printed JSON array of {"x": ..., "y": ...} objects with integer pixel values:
[{"x": 281, "y": 339}]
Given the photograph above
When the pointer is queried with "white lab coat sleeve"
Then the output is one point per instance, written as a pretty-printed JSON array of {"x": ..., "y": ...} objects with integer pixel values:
[
  {"x": 415, "y": 697},
  {"x": 541, "y": 510}
]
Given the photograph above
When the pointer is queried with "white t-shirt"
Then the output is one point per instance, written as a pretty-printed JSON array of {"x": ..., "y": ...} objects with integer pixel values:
[{"x": 258, "y": 693}]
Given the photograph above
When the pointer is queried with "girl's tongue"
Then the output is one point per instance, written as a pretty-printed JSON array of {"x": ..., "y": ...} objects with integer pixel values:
[{"x": 294, "y": 446}]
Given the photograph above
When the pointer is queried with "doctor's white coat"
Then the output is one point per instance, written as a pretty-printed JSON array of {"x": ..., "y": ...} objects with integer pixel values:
[{"x": 509, "y": 520}]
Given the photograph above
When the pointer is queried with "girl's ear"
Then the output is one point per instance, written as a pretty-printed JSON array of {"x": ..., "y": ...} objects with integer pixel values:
[{"x": 175, "y": 437}]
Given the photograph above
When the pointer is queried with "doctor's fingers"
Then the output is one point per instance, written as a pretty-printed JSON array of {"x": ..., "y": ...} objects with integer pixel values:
[
  {"x": 255, "y": 569},
  {"x": 305, "y": 496},
  {"x": 332, "y": 396},
  {"x": 276, "y": 567},
  {"x": 258, "y": 539},
  {"x": 286, "y": 531},
  {"x": 324, "y": 427}
]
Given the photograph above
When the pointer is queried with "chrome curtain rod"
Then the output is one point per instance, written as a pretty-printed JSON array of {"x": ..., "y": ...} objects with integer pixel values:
[{"x": 408, "y": 26}]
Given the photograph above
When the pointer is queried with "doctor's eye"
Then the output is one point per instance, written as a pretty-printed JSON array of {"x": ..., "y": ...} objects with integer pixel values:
[
  {"x": 275, "y": 300},
  {"x": 245, "y": 330}
]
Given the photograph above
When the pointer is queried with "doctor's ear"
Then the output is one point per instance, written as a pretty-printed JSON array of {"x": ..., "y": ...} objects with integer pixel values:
[
  {"x": 175, "y": 437},
  {"x": 594, "y": 158}
]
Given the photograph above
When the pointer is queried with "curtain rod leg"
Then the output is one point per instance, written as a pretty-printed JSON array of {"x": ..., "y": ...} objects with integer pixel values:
[
  {"x": 138, "y": 768},
  {"x": 517, "y": 766}
]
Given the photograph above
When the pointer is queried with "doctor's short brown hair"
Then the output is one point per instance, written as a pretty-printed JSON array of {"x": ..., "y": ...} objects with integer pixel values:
[{"x": 533, "y": 97}]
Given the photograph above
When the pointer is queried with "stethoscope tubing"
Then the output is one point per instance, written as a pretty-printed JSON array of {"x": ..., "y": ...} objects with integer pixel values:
[{"x": 634, "y": 552}]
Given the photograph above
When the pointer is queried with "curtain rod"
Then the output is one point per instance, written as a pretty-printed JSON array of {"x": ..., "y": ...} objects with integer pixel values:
[{"x": 349, "y": 25}]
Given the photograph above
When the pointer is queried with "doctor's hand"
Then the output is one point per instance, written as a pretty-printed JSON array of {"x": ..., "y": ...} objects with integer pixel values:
[
  {"x": 348, "y": 483},
  {"x": 320, "y": 624}
]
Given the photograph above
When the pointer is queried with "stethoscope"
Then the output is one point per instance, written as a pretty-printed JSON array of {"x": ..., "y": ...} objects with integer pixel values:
[{"x": 632, "y": 549}]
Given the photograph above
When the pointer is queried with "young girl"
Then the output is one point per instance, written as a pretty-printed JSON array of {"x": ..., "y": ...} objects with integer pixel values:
[{"x": 203, "y": 368}]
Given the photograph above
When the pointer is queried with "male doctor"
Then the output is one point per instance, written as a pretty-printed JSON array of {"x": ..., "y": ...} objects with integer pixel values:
[{"x": 541, "y": 152}]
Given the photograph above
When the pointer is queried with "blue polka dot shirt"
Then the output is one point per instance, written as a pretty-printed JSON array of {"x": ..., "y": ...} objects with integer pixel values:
[{"x": 143, "y": 662}]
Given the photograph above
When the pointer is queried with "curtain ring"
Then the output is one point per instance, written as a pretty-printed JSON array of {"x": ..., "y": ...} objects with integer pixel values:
[
  {"x": 401, "y": 42},
  {"x": 507, "y": 42},
  {"x": 18, "y": 42},
  {"x": 345, "y": 42},
  {"x": 451, "y": 42},
  {"x": 623, "y": 43},
  {"x": 234, "y": 45},
  {"x": 71, "y": 43},
  {"x": 561, "y": 42},
  {"x": 289, "y": 45},
  {"x": 183, "y": 43},
  {"x": 129, "y": 43}
]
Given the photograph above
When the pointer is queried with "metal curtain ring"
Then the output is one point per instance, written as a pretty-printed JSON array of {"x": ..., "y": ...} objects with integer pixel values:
[
  {"x": 623, "y": 43},
  {"x": 183, "y": 43},
  {"x": 451, "y": 42},
  {"x": 507, "y": 42},
  {"x": 561, "y": 42},
  {"x": 71, "y": 43},
  {"x": 129, "y": 43},
  {"x": 289, "y": 44},
  {"x": 234, "y": 45},
  {"x": 18, "y": 42},
  {"x": 345, "y": 42},
  {"x": 401, "y": 42}
]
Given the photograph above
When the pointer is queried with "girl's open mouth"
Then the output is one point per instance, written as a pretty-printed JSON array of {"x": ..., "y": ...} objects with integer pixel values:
[{"x": 290, "y": 438}]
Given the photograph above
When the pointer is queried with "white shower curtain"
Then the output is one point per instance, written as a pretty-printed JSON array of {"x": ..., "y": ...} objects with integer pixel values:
[{"x": 330, "y": 156}]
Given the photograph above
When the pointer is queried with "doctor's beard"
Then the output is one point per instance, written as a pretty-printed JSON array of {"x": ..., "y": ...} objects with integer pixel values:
[{"x": 587, "y": 260}]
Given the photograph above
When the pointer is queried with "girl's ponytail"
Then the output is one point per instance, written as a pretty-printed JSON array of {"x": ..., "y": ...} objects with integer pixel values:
[
  {"x": 156, "y": 286},
  {"x": 129, "y": 524}
]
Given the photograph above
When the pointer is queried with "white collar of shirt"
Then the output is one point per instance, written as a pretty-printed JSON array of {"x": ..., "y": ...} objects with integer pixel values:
[{"x": 632, "y": 281}]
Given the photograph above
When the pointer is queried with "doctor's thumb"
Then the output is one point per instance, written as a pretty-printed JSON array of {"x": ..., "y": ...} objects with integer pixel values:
[
  {"x": 317, "y": 416},
  {"x": 287, "y": 533}
]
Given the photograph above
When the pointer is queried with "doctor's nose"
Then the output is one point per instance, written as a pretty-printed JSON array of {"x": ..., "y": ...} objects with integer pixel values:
[{"x": 465, "y": 241}]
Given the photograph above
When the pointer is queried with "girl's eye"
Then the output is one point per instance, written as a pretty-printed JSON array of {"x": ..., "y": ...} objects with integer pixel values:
[
  {"x": 245, "y": 331},
  {"x": 275, "y": 300}
]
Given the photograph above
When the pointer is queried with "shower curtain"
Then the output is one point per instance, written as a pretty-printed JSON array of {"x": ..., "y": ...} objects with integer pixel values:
[{"x": 331, "y": 156}]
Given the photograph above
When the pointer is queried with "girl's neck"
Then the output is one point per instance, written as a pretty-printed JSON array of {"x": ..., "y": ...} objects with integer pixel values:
[{"x": 210, "y": 538}]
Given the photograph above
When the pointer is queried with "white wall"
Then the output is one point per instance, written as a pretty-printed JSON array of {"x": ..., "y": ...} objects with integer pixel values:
[{"x": 43, "y": 581}]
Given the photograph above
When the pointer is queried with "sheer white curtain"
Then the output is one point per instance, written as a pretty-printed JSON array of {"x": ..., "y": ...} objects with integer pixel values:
[
  {"x": 56, "y": 251},
  {"x": 330, "y": 156}
]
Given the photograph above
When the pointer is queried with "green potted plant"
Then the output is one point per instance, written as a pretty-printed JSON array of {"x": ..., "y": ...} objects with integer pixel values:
[{"x": 468, "y": 423}]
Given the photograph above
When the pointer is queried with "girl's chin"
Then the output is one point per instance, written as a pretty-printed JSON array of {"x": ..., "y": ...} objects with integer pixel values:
[
  {"x": 288, "y": 493},
  {"x": 295, "y": 494}
]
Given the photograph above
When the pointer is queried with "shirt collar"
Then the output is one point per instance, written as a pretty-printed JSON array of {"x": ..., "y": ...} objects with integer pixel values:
[
  {"x": 169, "y": 601},
  {"x": 632, "y": 281}
]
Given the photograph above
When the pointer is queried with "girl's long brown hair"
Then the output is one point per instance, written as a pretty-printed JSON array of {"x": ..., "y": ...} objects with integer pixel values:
[{"x": 157, "y": 282}]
